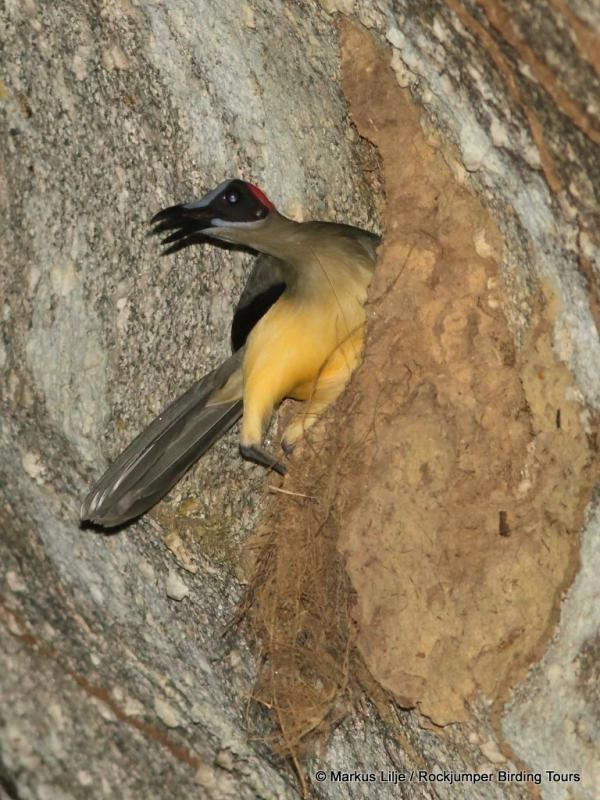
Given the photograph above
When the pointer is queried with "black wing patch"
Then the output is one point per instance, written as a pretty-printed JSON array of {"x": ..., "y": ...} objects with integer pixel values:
[
  {"x": 265, "y": 285},
  {"x": 246, "y": 316}
]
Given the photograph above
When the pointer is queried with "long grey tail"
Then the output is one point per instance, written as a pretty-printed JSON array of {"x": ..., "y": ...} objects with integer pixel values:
[{"x": 167, "y": 448}]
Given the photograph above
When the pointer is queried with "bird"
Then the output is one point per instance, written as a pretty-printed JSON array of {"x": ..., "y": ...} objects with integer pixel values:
[{"x": 297, "y": 332}]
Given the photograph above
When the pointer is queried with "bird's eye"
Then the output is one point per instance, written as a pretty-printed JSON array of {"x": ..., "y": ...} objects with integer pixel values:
[{"x": 232, "y": 197}]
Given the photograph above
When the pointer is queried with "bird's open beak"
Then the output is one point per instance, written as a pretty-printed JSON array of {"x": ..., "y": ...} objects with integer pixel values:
[{"x": 187, "y": 222}]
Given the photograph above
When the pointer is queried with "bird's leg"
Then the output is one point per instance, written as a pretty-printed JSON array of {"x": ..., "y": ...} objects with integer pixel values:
[
  {"x": 329, "y": 384},
  {"x": 257, "y": 412},
  {"x": 326, "y": 391},
  {"x": 260, "y": 456}
]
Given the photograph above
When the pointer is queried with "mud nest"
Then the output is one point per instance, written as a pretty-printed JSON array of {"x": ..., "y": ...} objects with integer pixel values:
[{"x": 430, "y": 523}]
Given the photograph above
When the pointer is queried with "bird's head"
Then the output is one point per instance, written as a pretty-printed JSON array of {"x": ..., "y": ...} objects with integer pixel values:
[{"x": 232, "y": 213}]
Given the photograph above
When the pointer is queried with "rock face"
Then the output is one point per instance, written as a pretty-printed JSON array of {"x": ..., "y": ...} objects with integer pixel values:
[{"x": 117, "y": 680}]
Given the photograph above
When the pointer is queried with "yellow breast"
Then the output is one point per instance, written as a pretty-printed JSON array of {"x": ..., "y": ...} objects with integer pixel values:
[{"x": 298, "y": 342}]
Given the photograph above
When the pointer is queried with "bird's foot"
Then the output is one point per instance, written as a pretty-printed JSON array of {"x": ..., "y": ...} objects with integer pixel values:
[
  {"x": 292, "y": 435},
  {"x": 288, "y": 447},
  {"x": 253, "y": 453}
]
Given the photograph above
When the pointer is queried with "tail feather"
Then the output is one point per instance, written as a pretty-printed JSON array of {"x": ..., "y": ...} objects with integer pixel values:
[{"x": 167, "y": 448}]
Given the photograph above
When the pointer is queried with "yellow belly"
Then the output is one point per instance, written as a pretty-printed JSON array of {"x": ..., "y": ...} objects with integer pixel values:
[{"x": 296, "y": 344}]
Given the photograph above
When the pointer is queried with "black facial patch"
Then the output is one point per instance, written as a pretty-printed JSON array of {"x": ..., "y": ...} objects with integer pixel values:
[
  {"x": 239, "y": 202},
  {"x": 233, "y": 202}
]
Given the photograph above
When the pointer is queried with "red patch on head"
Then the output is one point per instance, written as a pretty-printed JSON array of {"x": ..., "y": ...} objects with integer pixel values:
[{"x": 260, "y": 196}]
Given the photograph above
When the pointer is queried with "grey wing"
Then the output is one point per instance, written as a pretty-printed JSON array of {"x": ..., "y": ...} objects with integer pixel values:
[
  {"x": 154, "y": 462},
  {"x": 167, "y": 448},
  {"x": 367, "y": 241}
]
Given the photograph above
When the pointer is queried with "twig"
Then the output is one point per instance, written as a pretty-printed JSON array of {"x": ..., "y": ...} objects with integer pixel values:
[{"x": 293, "y": 494}]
